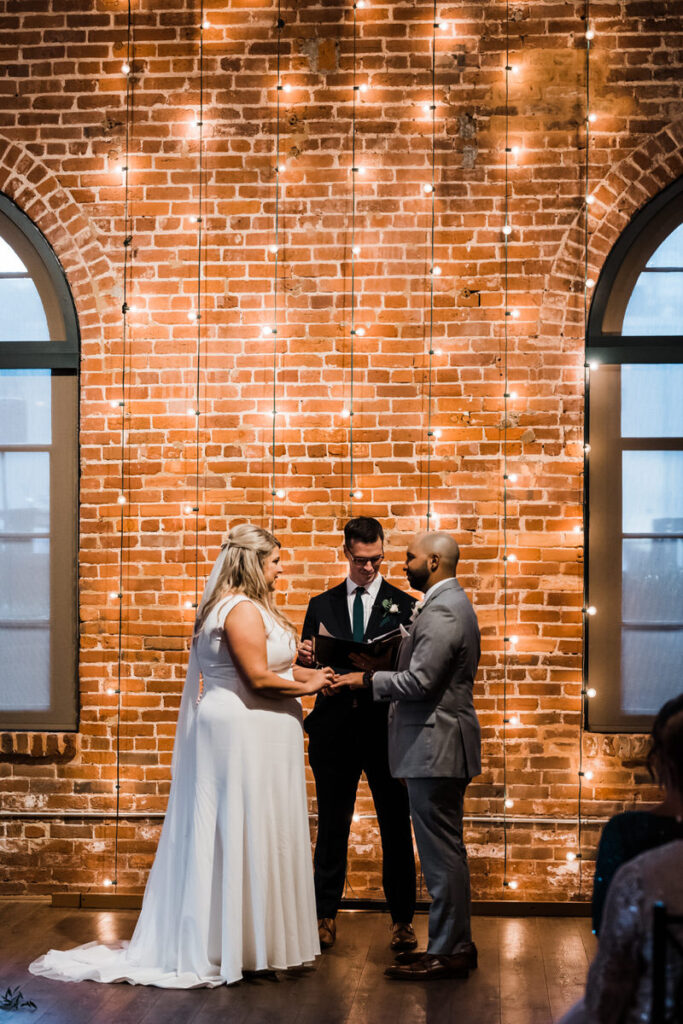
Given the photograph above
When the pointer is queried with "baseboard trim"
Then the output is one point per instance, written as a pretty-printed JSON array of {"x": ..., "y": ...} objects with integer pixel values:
[{"x": 480, "y": 908}]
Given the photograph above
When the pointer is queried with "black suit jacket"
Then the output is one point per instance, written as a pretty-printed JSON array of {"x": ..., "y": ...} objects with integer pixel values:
[{"x": 331, "y": 608}]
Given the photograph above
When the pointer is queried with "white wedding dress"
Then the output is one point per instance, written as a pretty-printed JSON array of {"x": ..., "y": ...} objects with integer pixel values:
[{"x": 231, "y": 888}]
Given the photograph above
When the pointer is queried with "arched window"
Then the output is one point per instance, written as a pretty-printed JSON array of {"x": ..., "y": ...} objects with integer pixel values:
[
  {"x": 38, "y": 481},
  {"x": 635, "y": 471}
]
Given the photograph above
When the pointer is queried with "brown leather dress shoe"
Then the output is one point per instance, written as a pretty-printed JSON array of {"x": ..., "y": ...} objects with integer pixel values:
[
  {"x": 402, "y": 936},
  {"x": 468, "y": 957},
  {"x": 327, "y": 932},
  {"x": 429, "y": 968}
]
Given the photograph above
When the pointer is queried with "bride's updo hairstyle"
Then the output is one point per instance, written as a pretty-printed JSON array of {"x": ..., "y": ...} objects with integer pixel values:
[{"x": 244, "y": 555}]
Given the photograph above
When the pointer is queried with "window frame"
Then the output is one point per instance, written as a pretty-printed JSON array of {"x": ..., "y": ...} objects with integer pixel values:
[
  {"x": 602, "y": 478},
  {"x": 61, "y": 358}
]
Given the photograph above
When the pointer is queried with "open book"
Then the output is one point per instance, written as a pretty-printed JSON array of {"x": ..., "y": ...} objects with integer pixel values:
[{"x": 334, "y": 651}]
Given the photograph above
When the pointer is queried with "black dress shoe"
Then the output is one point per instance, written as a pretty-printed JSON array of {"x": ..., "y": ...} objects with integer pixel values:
[
  {"x": 402, "y": 936},
  {"x": 466, "y": 957},
  {"x": 428, "y": 968}
]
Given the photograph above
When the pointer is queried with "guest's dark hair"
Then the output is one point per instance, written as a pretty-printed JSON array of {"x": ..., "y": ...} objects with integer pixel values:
[
  {"x": 363, "y": 528},
  {"x": 671, "y": 756},
  {"x": 663, "y": 717}
]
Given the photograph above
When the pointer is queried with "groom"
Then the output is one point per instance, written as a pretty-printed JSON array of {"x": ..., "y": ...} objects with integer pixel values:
[
  {"x": 434, "y": 744},
  {"x": 348, "y": 735}
]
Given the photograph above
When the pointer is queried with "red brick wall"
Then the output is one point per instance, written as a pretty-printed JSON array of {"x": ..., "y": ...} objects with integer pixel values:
[{"x": 61, "y": 140}]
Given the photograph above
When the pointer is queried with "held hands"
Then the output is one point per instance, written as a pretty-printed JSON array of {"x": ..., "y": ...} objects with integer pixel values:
[
  {"x": 352, "y": 680},
  {"x": 320, "y": 679}
]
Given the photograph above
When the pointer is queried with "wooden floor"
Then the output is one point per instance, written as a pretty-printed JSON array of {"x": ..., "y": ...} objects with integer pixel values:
[{"x": 531, "y": 970}]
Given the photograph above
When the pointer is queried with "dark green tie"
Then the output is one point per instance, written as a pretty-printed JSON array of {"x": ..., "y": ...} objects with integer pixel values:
[{"x": 358, "y": 617}]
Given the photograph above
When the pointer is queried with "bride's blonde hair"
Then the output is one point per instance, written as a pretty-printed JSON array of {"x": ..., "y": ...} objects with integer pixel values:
[{"x": 246, "y": 551}]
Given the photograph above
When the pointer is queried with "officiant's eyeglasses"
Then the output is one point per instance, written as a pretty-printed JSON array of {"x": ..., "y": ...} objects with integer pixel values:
[{"x": 360, "y": 562}]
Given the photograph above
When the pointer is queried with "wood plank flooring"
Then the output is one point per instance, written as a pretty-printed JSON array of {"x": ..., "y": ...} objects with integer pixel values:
[{"x": 531, "y": 970}]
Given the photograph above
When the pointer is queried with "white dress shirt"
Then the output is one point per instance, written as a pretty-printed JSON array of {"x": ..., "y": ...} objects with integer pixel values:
[{"x": 369, "y": 597}]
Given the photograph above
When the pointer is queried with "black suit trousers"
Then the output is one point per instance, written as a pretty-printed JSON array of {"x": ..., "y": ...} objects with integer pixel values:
[{"x": 338, "y": 758}]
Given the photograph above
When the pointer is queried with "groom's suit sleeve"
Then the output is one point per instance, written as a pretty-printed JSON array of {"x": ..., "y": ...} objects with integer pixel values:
[{"x": 437, "y": 638}]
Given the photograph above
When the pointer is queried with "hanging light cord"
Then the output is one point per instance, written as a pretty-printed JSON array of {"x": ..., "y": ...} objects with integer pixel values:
[
  {"x": 430, "y": 432},
  {"x": 354, "y": 171},
  {"x": 127, "y": 260},
  {"x": 273, "y": 490},
  {"x": 506, "y": 392},
  {"x": 200, "y": 242}
]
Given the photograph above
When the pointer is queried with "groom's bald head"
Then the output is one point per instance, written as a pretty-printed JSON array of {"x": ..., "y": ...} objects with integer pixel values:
[
  {"x": 435, "y": 542},
  {"x": 431, "y": 557}
]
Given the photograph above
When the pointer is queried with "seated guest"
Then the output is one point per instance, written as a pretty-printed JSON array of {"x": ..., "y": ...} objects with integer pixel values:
[
  {"x": 633, "y": 832},
  {"x": 619, "y": 986}
]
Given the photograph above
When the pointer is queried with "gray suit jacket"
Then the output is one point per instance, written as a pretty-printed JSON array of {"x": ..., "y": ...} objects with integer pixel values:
[{"x": 433, "y": 727}]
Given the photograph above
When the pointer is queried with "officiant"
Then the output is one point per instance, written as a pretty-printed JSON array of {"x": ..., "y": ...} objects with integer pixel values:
[{"x": 348, "y": 736}]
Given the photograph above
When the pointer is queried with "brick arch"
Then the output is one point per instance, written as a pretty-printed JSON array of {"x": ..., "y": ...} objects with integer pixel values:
[
  {"x": 627, "y": 188},
  {"x": 62, "y": 221}
]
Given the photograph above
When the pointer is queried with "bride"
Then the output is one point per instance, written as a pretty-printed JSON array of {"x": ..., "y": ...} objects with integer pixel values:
[{"x": 231, "y": 888}]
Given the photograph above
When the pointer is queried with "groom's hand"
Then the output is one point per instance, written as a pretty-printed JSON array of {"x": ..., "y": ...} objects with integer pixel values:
[{"x": 352, "y": 680}]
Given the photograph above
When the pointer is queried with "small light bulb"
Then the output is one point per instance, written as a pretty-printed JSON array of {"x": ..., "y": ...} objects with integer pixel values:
[
  {"x": 125, "y": 68},
  {"x": 509, "y": 803},
  {"x": 361, "y": 3},
  {"x": 512, "y": 557},
  {"x": 515, "y": 151},
  {"x": 110, "y": 690},
  {"x": 427, "y": 189},
  {"x": 514, "y": 640},
  {"x": 356, "y": 250},
  {"x": 515, "y": 314},
  {"x": 206, "y": 23},
  {"x": 273, "y": 414},
  {"x": 513, "y": 395},
  {"x": 188, "y": 604},
  {"x": 590, "y": 34},
  {"x": 514, "y": 719},
  {"x": 356, "y": 817},
  {"x": 571, "y": 856},
  {"x": 513, "y": 883},
  {"x": 427, "y": 108},
  {"x": 187, "y": 510},
  {"x": 280, "y": 493},
  {"x": 592, "y": 118},
  {"x": 590, "y": 283},
  {"x": 507, "y": 229},
  {"x": 588, "y": 775},
  {"x": 591, "y": 692},
  {"x": 590, "y": 200},
  {"x": 114, "y": 405},
  {"x": 272, "y": 249},
  {"x": 360, "y": 331},
  {"x": 438, "y": 351},
  {"x": 436, "y": 271},
  {"x": 364, "y": 87},
  {"x": 586, "y": 448},
  {"x": 358, "y": 494},
  {"x": 115, "y": 595},
  {"x": 345, "y": 413},
  {"x": 107, "y": 881},
  {"x": 512, "y": 477},
  {"x": 192, "y": 315},
  {"x": 577, "y": 529},
  {"x": 437, "y": 433},
  {"x": 591, "y": 610},
  {"x": 121, "y": 500},
  {"x": 267, "y": 330},
  {"x": 362, "y": 169}
]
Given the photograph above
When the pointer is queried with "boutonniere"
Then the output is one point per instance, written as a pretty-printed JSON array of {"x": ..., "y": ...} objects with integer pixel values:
[
  {"x": 390, "y": 607},
  {"x": 417, "y": 608}
]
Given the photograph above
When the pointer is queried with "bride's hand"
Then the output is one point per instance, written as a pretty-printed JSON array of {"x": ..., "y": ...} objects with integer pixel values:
[{"x": 319, "y": 679}]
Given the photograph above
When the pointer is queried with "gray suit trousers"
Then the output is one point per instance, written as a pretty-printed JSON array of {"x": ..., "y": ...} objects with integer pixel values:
[{"x": 436, "y": 809}]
